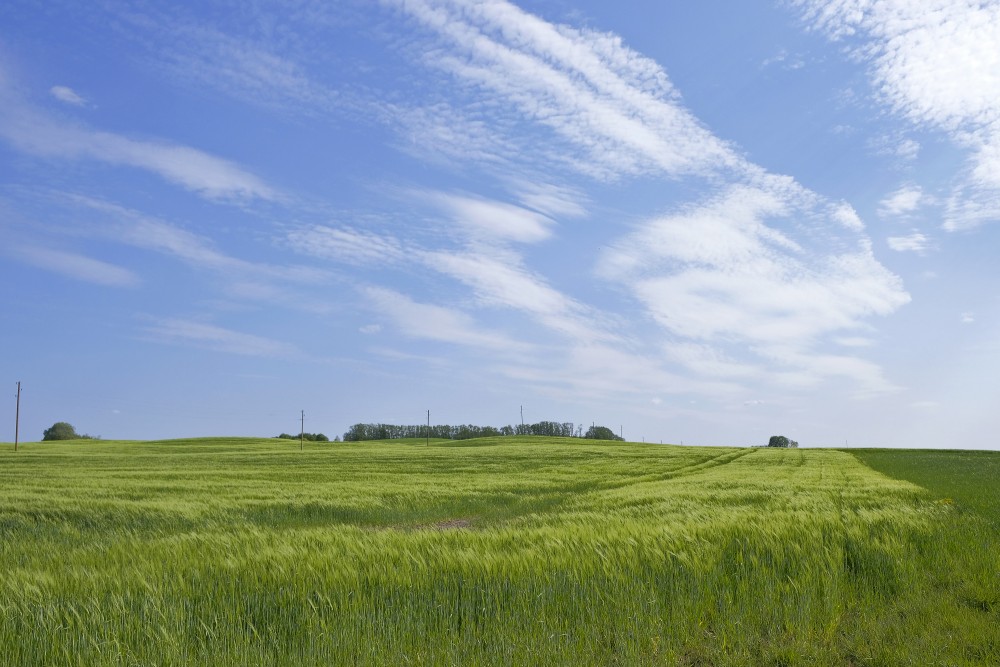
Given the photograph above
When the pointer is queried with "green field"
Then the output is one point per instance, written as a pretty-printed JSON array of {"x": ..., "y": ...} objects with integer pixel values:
[{"x": 506, "y": 551}]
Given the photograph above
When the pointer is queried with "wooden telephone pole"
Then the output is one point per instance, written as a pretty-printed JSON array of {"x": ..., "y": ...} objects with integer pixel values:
[{"x": 17, "y": 416}]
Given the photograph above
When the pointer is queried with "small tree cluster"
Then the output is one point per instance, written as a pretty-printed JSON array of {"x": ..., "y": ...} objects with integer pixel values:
[
  {"x": 310, "y": 437},
  {"x": 601, "y": 433},
  {"x": 63, "y": 431},
  {"x": 781, "y": 441}
]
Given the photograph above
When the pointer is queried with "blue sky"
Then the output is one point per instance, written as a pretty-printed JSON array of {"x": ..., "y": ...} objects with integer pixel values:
[{"x": 704, "y": 222}]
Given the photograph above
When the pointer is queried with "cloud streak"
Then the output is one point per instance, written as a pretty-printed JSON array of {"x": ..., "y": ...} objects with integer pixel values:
[
  {"x": 614, "y": 107},
  {"x": 765, "y": 264},
  {"x": 935, "y": 63},
  {"x": 435, "y": 323},
  {"x": 212, "y": 337},
  {"x": 76, "y": 266},
  {"x": 718, "y": 274},
  {"x": 67, "y": 95},
  {"x": 33, "y": 131}
]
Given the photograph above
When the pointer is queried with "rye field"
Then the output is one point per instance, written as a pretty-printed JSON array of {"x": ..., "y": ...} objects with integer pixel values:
[{"x": 504, "y": 551}]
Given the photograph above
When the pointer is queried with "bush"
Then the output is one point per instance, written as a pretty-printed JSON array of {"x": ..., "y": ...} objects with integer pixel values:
[
  {"x": 310, "y": 437},
  {"x": 601, "y": 433},
  {"x": 63, "y": 431}
]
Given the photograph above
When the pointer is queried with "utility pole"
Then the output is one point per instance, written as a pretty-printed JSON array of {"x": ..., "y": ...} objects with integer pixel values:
[
  {"x": 522, "y": 420},
  {"x": 302, "y": 429},
  {"x": 427, "y": 434},
  {"x": 17, "y": 416}
]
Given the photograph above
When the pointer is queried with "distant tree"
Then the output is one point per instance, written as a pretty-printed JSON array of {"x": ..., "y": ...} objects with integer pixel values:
[
  {"x": 781, "y": 441},
  {"x": 600, "y": 433},
  {"x": 63, "y": 431},
  {"x": 310, "y": 437}
]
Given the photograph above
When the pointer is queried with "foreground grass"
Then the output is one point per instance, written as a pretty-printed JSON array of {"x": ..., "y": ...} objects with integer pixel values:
[
  {"x": 495, "y": 551},
  {"x": 960, "y": 559}
]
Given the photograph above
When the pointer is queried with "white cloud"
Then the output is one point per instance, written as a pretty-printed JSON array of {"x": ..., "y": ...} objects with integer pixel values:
[
  {"x": 492, "y": 219},
  {"x": 968, "y": 318},
  {"x": 783, "y": 59},
  {"x": 67, "y": 95},
  {"x": 431, "y": 322},
  {"x": 245, "y": 69},
  {"x": 500, "y": 280},
  {"x": 717, "y": 274},
  {"x": 904, "y": 201},
  {"x": 709, "y": 361},
  {"x": 346, "y": 244},
  {"x": 845, "y": 214},
  {"x": 207, "y": 175},
  {"x": 614, "y": 107},
  {"x": 907, "y": 149},
  {"x": 610, "y": 373},
  {"x": 32, "y": 131},
  {"x": 552, "y": 200},
  {"x": 915, "y": 242},
  {"x": 217, "y": 338},
  {"x": 853, "y": 341},
  {"x": 142, "y": 231},
  {"x": 78, "y": 267},
  {"x": 439, "y": 132},
  {"x": 936, "y": 63}
]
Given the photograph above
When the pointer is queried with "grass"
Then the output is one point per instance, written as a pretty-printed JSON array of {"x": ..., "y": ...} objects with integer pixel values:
[
  {"x": 494, "y": 551},
  {"x": 960, "y": 559}
]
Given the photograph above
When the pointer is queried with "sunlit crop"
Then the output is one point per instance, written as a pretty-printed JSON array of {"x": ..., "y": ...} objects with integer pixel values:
[{"x": 502, "y": 551}]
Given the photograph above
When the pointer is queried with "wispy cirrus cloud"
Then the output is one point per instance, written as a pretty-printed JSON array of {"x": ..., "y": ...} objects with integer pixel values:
[
  {"x": 935, "y": 63},
  {"x": 75, "y": 266},
  {"x": 902, "y": 202},
  {"x": 613, "y": 108},
  {"x": 210, "y": 336},
  {"x": 719, "y": 273},
  {"x": 346, "y": 244},
  {"x": 436, "y": 323},
  {"x": 766, "y": 263},
  {"x": 557, "y": 201},
  {"x": 501, "y": 281},
  {"x": 916, "y": 242},
  {"x": 492, "y": 220},
  {"x": 33, "y": 131},
  {"x": 67, "y": 95},
  {"x": 244, "y": 68},
  {"x": 131, "y": 227}
]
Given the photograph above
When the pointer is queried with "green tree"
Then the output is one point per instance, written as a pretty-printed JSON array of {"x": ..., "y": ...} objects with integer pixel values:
[
  {"x": 60, "y": 431},
  {"x": 601, "y": 433},
  {"x": 781, "y": 441}
]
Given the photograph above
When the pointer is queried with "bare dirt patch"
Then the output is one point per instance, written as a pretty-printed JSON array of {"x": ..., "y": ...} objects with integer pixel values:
[{"x": 452, "y": 524}]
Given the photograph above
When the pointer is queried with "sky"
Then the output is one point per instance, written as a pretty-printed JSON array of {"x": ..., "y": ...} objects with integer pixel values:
[{"x": 693, "y": 222}]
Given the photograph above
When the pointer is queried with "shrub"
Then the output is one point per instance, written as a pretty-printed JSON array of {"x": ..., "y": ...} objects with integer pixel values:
[{"x": 63, "y": 431}]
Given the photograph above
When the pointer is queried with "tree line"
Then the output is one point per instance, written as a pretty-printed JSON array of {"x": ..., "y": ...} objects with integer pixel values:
[{"x": 360, "y": 432}]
